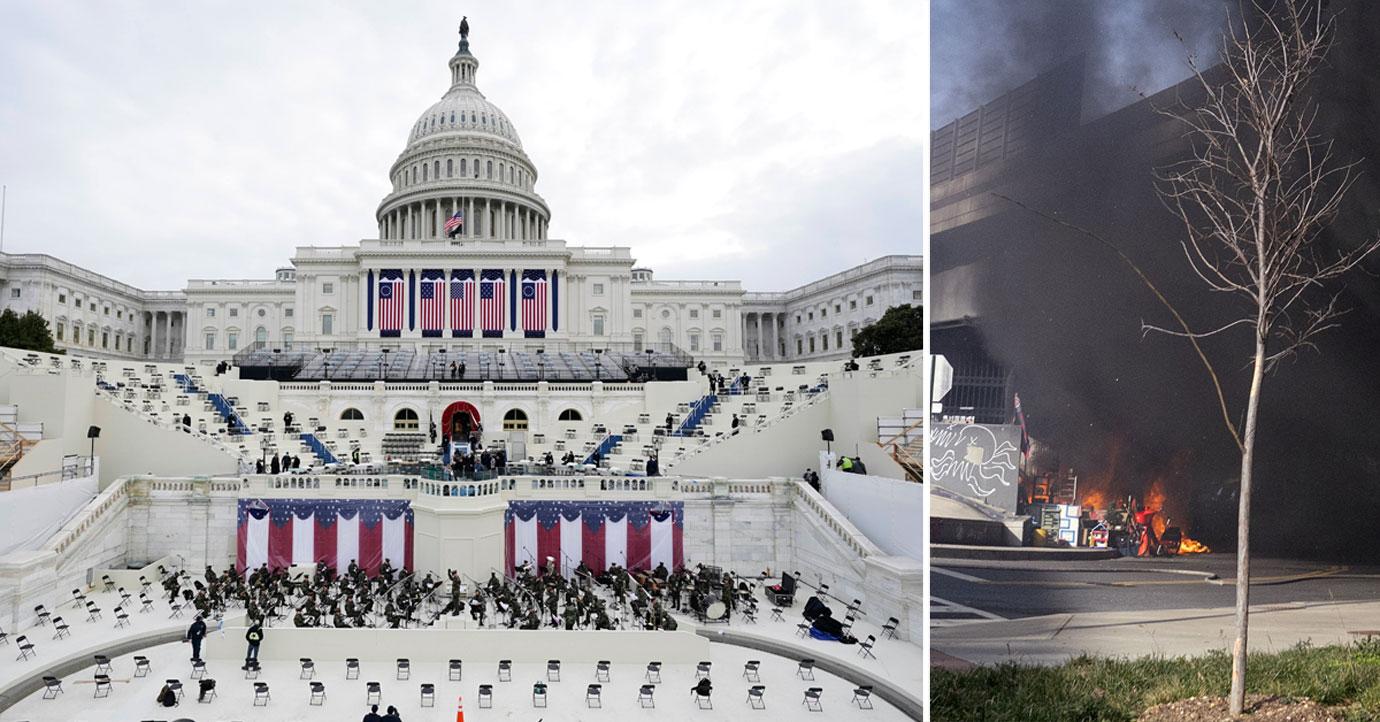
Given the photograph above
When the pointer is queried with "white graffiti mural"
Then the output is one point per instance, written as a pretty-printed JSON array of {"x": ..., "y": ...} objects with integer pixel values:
[{"x": 976, "y": 460}]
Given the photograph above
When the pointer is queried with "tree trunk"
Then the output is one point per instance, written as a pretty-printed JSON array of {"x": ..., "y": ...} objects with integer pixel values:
[{"x": 1243, "y": 535}]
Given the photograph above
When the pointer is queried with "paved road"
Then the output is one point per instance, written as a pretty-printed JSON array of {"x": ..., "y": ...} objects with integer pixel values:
[{"x": 988, "y": 590}]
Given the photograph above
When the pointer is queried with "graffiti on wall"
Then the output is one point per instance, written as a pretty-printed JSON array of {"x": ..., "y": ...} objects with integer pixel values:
[{"x": 978, "y": 461}]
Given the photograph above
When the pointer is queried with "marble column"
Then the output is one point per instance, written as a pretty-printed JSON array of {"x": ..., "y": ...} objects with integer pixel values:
[{"x": 761, "y": 344}]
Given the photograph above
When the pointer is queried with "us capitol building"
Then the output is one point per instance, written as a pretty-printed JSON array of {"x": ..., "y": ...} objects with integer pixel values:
[{"x": 462, "y": 256}]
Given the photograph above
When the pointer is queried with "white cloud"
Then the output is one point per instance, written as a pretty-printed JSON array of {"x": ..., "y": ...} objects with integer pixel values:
[{"x": 158, "y": 142}]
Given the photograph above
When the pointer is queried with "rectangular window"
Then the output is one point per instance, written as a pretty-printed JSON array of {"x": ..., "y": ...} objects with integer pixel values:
[
  {"x": 120, "y": 314},
  {"x": 327, "y": 324},
  {"x": 853, "y": 305},
  {"x": 811, "y": 315},
  {"x": 694, "y": 313},
  {"x": 210, "y": 313},
  {"x": 598, "y": 325},
  {"x": 812, "y": 344},
  {"x": 14, "y": 293},
  {"x": 824, "y": 313},
  {"x": 91, "y": 337},
  {"x": 61, "y": 329},
  {"x": 234, "y": 312},
  {"x": 637, "y": 341},
  {"x": 232, "y": 341},
  {"x": 287, "y": 339},
  {"x": 797, "y": 318},
  {"x": 598, "y": 289},
  {"x": 694, "y": 342},
  {"x": 838, "y": 308},
  {"x": 869, "y": 300},
  {"x": 105, "y": 340},
  {"x": 637, "y": 313},
  {"x": 287, "y": 313},
  {"x": 916, "y": 296},
  {"x": 799, "y": 347},
  {"x": 718, "y": 342},
  {"x": 718, "y": 313},
  {"x": 838, "y": 337},
  {"x": 92, "y": 304},
  {"x": 327, "y": 288},
  {"x": 129, "y": 344},
  {"x": 62, "y": 298},
  {"x": 107, "y": 310}
]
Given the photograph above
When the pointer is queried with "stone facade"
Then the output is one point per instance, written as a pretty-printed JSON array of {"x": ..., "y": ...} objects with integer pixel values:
[{"x": 462, "y": 156}]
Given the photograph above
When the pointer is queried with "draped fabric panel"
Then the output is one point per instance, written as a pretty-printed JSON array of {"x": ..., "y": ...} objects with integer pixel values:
[
  {"x": 633, "y": 534},
  {"x": 281, "y": 532}
]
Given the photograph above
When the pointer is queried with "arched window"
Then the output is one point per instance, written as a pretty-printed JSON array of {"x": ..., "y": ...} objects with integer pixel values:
[
  {"x": 489, "y": 168},
  {"x": 463, "y": 169},
  {"x": 406, "y": 420},
  {"x": 510, "y": 174},
  {"x": 352, "y": 414},
  {"x": 261, "y": 336},
  {"x": 424, "y": 170},
  {"x": 664, "y": 335},
  {"x": 476, "y": 167},
  {"x": 436, "y": 169},
  {"x": 449, "y": 167},
  {"x": 570, "y": 415},
  {"x": 515, "y": 420},
  {"x": 414, "y": 174}
]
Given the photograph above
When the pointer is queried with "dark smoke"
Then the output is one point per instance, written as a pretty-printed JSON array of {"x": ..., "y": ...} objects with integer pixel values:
[
  {"x": 1065, "y": 315},
  {"x": 982, "y": 48}
]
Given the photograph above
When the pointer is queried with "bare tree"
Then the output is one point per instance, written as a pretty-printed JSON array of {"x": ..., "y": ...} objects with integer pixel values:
[{"x": 1254, "y": 196}]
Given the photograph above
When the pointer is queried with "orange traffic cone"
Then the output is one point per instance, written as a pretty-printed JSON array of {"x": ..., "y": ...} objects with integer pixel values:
[{"x": 460, "y": 710}]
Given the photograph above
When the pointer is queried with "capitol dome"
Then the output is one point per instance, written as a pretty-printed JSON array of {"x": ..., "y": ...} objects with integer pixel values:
[
  {"x": 463, "y": 156},
  {"x": 464, "y": 110}
]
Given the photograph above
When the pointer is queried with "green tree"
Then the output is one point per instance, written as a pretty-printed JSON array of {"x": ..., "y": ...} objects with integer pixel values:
[
  {"x": 901, "y": 328},
  {"x": 29, "y": 332}
]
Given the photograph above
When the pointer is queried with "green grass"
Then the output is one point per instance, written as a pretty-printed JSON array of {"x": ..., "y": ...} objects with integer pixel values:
[{"x": 1098, "y": 690}]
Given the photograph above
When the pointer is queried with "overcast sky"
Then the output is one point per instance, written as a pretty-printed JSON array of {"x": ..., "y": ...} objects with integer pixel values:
[
  {"x": 768, "y": 142},
  {"x": 983, "y": 48}
]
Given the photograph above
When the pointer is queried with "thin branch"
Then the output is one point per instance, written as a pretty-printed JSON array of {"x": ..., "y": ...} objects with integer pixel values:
[{"x": 1212, "y": 373}]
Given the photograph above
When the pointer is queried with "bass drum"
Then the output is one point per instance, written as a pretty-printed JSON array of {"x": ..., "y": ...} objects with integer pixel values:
[{"x": 715, "y": 610}]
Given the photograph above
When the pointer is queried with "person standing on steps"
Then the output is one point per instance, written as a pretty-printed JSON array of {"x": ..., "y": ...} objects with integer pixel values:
[
  {"x": 254, "y": 637},
  {"x": 195, "y": 634}
]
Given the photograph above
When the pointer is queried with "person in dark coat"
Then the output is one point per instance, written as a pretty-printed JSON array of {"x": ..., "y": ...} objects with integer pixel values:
[
  {"x": 274, "y": 467},
  {"x": 373, "y": 715},
  {"x": 254, "y": 637},
  {"x": 195, "y": 634}
]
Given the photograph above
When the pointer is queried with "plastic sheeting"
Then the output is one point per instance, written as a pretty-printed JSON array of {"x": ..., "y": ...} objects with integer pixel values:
[{"x": 31, "y": 515}]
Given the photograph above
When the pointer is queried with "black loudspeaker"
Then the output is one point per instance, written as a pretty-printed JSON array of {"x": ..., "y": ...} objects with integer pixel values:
[
  {"x": 93, "y": 432},
  {"x": 826, "y": 435}
]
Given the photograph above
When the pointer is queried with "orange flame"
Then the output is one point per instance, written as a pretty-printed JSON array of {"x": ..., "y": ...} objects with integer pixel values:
[{"x": 1192, "y": 546}]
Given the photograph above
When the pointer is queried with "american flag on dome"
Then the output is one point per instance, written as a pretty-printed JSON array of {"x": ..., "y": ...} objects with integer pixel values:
[
  {"x": 454, "y": 223},
  {"x": 433, "y": 302},
  {"x": 633, "y": 534},
  {"x": 491, "y": 287},
  {"x": 534, "y": 304},
  {"x": 391, "y": 295},
  {"x": 284, "y": 532},
  {"x": 462, "y": 303}
]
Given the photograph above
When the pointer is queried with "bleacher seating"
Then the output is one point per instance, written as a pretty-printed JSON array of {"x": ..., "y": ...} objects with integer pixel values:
[{"x": 407, "y": 364}]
